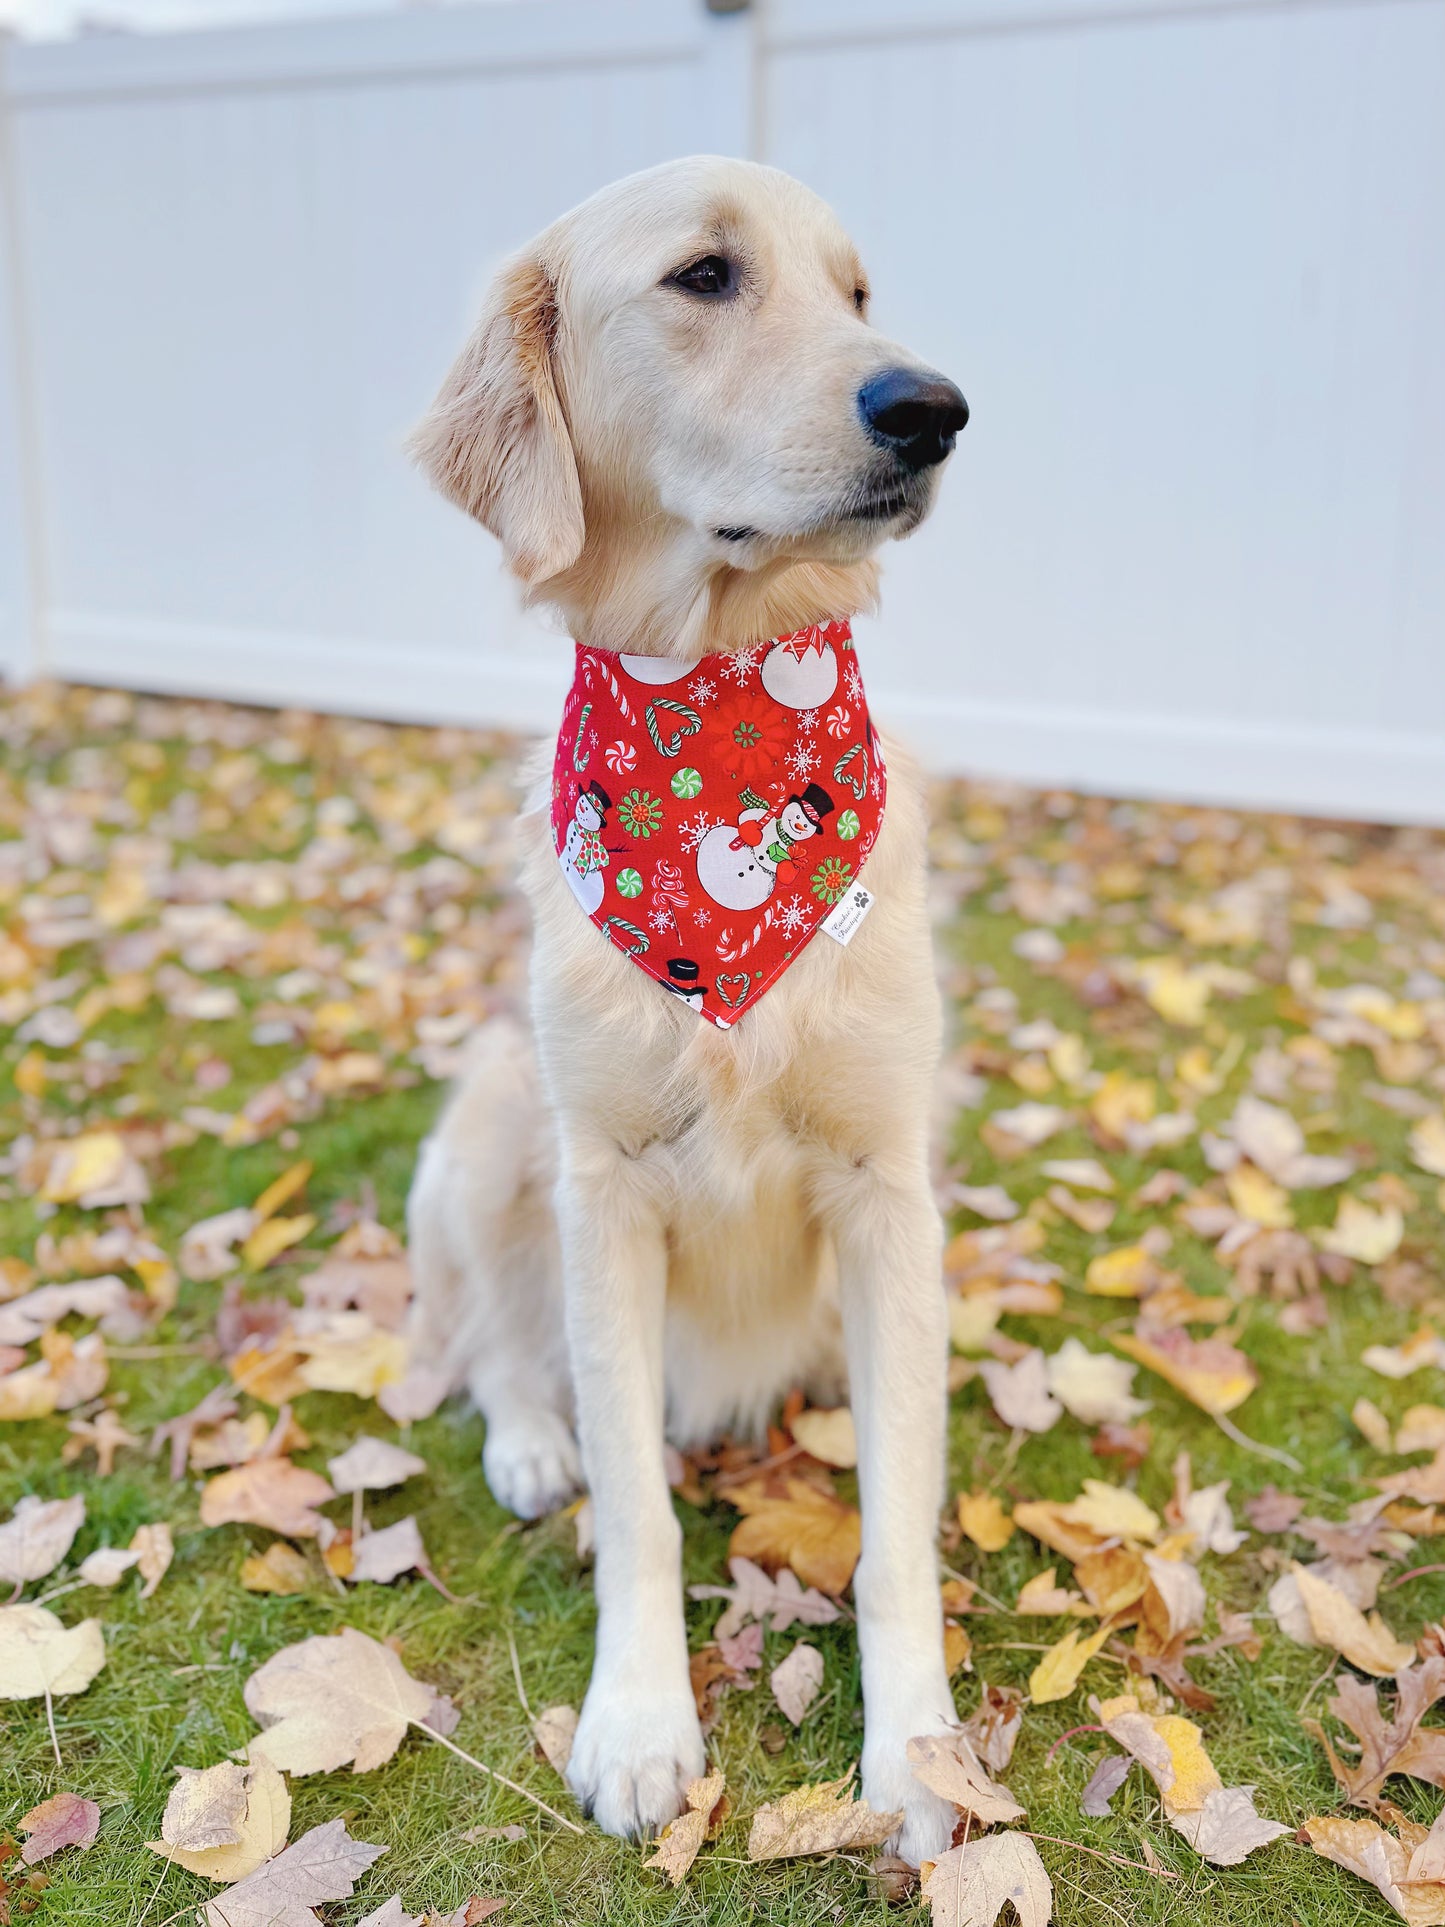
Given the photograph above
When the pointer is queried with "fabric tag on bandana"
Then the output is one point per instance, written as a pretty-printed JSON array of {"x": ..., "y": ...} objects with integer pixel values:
[
  {"x": 841, "y": 923},
  {"x": 711, "y": 817}
]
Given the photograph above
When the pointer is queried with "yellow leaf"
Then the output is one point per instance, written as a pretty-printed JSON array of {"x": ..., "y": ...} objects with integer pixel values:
[
  {"x": 811, "y": 1531},
  {"x": 817, "y": 1819},
  {"x": 272, "y": 1376},
  {"x": 273, "y": 1237},
  {"x": 279, "y": 1569},
  {"x": 29, "y": 1074},
  {"x": 1259, "y": 1198},
  {"x": 83, "y": 1164},
  {"x": 1335, "y": 1621},
  {"x": 1127, "y": 1272},
  {"x": 956, "y": 1646},
  {"x": 32, "y": 1392},
  {"x": 351, "y": 1354},
  {"x": 281, "y": 1191},
  {"x": 828, "y": 1435},
  {"x": 267, "y": 1492},
  {"x": 1042, "y": 1594},
  {"x": 1112, "y": 1511},
  {"x": 678, "y": 1844},
  {"x": 1122, "y": 1100},
  {"x": 985, "y": 1521},
  {"x": 261, "y": 1833},
  {"x": 1215, "y": 1375},
  {"x": 1427, "y": 1142},
  {"x": 1179, "y": 994},
  {"x": 1057, "y": 1673},
  {"x": 973, "y": 1319},
  {"x": 1368, "y": 1236}
]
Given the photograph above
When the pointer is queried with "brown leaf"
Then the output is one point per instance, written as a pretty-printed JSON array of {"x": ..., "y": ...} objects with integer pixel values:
[
  {"x": 679, "y": 1843},
  {"x": 818, "y": 1819},
  {"x": 1398, "y": 1745},
  {"x": 322, "y": 1865},
  {"x": 948, "y": 1766},
  {"x": 267, "y": 1492},
  {"x": 1226, "y": 1829},
  {"x": 969, "y": 1886},
  {"x": 1363, "y": 1847},
  {"x": 279, "y": 1569},
  {"x": 811, "y": 1531},
  {"x": 64, "y": 1820},
  {"x": 1334, "y": 1621}
]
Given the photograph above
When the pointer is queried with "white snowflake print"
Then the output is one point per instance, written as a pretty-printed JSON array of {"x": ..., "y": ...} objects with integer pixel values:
[
  {"x": 693, "y": 831},
  {"x": 855, "y": 683},
  {"x": 802, "y": 760},
  {"x": 702, "y": 918},
  {"x": 807, "y": 721},
  {"x": 791, "y": 915},
  {"x": 742, "y": 665},
  {"x": 875, "y": 784},
  {"x": 661, "y": 920},
  {"x": 703, "y": 690}
]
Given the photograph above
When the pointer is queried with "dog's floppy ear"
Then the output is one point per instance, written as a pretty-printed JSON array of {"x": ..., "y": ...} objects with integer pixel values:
[{"x": 496, "y": 441}]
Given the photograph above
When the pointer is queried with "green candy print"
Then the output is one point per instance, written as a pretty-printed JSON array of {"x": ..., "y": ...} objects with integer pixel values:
[
  {"x": 848, "y": 825},
  {"x": 629, "y": 883},
  {"x": 686, "y": 783}
]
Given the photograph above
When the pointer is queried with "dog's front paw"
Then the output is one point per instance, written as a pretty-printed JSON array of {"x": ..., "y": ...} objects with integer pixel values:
[
  {"x": 634, "y": 1757},
  {"x": 890, "y": 1786},
  {"x": 531, "y": 1463}
]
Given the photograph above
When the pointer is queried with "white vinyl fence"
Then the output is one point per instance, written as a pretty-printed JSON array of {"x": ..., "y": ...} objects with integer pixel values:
[{"x": 1185, "y": 257}]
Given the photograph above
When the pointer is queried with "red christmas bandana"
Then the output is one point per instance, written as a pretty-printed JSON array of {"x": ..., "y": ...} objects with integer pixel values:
[{"x": 710, "y": 816}]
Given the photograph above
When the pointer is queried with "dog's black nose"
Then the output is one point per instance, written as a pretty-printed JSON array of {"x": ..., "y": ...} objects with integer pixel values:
[{"x": 915, "y": 413}]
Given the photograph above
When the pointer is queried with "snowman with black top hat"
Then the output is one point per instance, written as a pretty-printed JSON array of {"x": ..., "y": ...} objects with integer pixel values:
[
  {"x": 741, "y": 864},
  {"x": 583, "y": 855}
]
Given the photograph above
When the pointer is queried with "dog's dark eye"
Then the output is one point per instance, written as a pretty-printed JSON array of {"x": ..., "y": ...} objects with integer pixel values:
[
  {"x": 860, "y": 299},
  {"x": 711, "y": 275}
]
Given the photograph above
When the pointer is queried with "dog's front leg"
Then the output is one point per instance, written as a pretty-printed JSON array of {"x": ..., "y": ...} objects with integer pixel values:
[
  {"x": 888, "y": 1239},
  {"x": 638, "y": 1742}
]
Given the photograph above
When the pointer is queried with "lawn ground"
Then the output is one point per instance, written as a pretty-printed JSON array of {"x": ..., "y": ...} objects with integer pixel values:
[{"x": 344, "y": 886}]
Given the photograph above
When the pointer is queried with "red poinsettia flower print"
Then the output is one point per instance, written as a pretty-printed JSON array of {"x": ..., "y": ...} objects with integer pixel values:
[{"x": 753, "y": 736}]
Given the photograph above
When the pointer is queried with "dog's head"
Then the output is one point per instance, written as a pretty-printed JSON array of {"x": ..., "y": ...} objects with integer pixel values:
[{"x": 686, "y": 361}]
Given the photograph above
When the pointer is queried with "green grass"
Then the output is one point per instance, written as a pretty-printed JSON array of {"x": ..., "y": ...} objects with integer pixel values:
[{"x": 171, "y": 1692}]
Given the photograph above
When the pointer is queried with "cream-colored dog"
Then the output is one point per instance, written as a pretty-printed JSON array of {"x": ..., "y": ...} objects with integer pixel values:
[{"x": 675, "y": 416}]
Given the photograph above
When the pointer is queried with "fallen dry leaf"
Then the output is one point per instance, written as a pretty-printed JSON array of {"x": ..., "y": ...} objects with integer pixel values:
[
  {"x": 811, "y": 1531},
  {"x": 260, "y": 1820},
  {"x": 324, "y": 1864},
  {"x": 1400, "y": 1744},
  {"x": 1020, "y": 1393},
  {"x": 1215, "y": 1375},
  {"x": 37, "y": 1536},
  {"x": 969, "y": 1886},
  {"x": 797, "y": 1681},
  {"x": 206, "y": 1808},
  {"x": 1093, "y": 1387},
  {"x": 154, "y": 1549},
  {"x": 1334, "y": 1621},
  {"x": 64, "y": 1820},
  {"x": 992, "y": 1729},
  {"x": 554, "y": 1729},
  {"x": 1057, "y": 1673},
  {"x": 984, "y": 1520},
  {"x": 679, "y": 1843},
  {"x": 39, "y": 1655},
  {"x": 1366, "y": 1235},
  {"x": 818, "y": 1819},
  {"x": 1226, "y": 1829},
  {"x": 336, "y": 1700},
  {"x": 1363, "y": 1847},
  {"x": 828, "y": 1435},
  {"x": 267, "y": 1492},
  {"x": 948, "y": 1766},
  {"x": 373, "y": 1465},
  {"x": 385, "y": 1555},
  {"x": 279, "y": 1569},
  {"x": 1168, "y": 1747},
  {"x": 1112, "y": 1511},
  {"x": 756, "y": 1595}
]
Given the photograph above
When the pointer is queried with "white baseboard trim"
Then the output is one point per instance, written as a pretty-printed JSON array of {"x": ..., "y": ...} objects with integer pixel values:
[{"x": 1367, "y": 775}]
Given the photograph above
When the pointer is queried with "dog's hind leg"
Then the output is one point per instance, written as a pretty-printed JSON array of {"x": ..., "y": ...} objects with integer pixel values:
[{"x": 485, "y": 1257}]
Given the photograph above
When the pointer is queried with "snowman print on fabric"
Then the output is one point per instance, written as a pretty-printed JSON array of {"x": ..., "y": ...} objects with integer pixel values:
[
  {"x": 801, "y": 671},
  {"x": 583, "y": 855},
  {"x": 741, "y": 864}
]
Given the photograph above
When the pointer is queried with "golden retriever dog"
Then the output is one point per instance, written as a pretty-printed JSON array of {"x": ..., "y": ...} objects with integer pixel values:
[{"x": 630, "y": 1225}]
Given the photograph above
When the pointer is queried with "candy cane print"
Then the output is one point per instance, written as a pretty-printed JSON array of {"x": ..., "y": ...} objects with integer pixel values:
[
  {"x": 595, "y": 662},
  {"x": 580, "y": 752},
  {"x": 689, "y": 725},
  {"x": 728, "y": 954},
  {"x": 640, "y": 940}
]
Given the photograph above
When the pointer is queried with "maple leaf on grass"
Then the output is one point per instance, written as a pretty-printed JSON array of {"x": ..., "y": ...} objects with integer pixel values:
[
  {"x": 797, "y": 1680},
  {"x": 818, "y": 1819},
  {"x": 40, "y": 1656},
  {"x": 678, "y": 1845},
  {"x": 1400, "y": 1744},
  {"x": 1363, "y": 1847},
  {"x": 37, "y": 1536},
  {"x": 756, "y": 1595},
  {"x": 1226, "y": 1829},
  {"x": 225, "y": 1822},
  {"x": 948, "y": 1766},
  {"x": 267, "y": 1492},
  {"x": 339, "y": 1699},
  {"x": 322, "y": 1865},
  {"x": 969, "y": 1886},
  {"x": 1335, "y": 1621},
  {"x": 373, "y": 1465},
  {"x": 65, "y": 1820},
  {"x": 816, "y": 1534}
]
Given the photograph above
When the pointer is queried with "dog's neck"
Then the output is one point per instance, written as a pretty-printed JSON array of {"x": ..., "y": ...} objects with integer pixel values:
[{"x": 662, "y": 597}]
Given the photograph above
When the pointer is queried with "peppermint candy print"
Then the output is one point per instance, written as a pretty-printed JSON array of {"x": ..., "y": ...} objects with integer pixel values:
[{"x": 736, "y": 796}]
